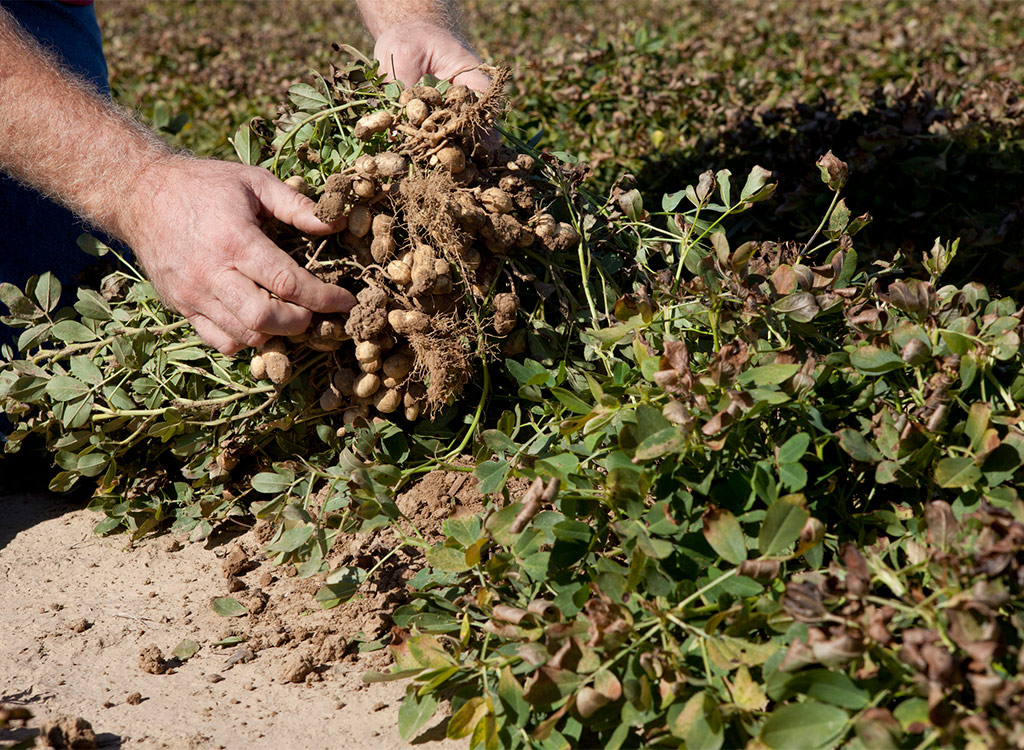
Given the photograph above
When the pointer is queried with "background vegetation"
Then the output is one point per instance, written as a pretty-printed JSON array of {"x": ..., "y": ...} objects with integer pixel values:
[{"x": 923, "y": 100}]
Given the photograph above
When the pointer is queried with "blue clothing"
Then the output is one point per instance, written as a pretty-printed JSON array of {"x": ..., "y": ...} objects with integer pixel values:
[{"x": 37, "y": 234}]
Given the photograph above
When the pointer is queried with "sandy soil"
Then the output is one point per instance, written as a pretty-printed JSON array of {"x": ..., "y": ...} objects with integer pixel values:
[{"x": 77, "y": 613}]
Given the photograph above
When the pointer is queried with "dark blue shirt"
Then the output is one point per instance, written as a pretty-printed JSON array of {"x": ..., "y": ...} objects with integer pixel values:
[{"x": 37, "y": 234}]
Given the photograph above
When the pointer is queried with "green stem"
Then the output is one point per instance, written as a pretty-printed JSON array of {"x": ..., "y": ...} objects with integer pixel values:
[
  {"x": 831, "y": 208},
  {"x": 321, "y": 115}
]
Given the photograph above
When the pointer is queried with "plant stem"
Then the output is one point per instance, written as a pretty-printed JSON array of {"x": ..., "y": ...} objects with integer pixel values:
[{"x": 831, "y": 208}]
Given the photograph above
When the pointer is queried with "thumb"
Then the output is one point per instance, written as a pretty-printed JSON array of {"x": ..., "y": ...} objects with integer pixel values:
[
  {"x": 474, "y": 79},
  {"x": 289, "y": 206}
]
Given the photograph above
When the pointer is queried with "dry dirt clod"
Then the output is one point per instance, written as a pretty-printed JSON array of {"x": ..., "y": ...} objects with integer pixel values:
[
  {"x": 330, "y": 207},
  {"x": 278, "y": 366},
  {"x": 235, "y": 584},
  {"x": 369, "y": 317},
  {"x": 236, "y": 562},
  {"x": 79, "y": 626},
  {"x": 133, "y": 699},
  {"x": 152, "y": 661},
  {"x": 296, "y": 667},
  {"x": 68, "y": 732}
]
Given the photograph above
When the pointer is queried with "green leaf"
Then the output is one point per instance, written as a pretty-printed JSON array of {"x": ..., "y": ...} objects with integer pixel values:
[
  {"x": 47, "y": 291},
  {"x": 957, "y": 472},
  {"x": 857, "y": 447},
  {"x": 499, "y": 442},
  {"x": 806, "y": 725},
  {"x": 227, "y": 606},
  {"x": 246, "y": 145},
  {"x": 669, "y": 440},
  {"x": 782, "y": 525},
  {"x": 794, "y": 476},
  {"x": 447, "y": 559},
  {"x": 465, "y": 719},
  {"x": 724, "y": 534},
  {"x": 185, "y": 650},
  {"x": 73, "y": 332},
  {"x": 66, "y": 388},
  {"x": 271, "y": 483},
  {"x": 871, "y": 360},
  {"x": 833, "y": 687},
  {"x": 415, "y": 711},
  {"x": 794, "y": 449},
  {"x": 491, "y": 476},
  {"x": 770, "y": 374},
  {"x": 307, "y": 98},
  {"x": 571, "y": 401},
  {"x": 756, "y": 187}
]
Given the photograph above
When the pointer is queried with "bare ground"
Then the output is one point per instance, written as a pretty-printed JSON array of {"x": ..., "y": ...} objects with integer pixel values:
[{"x": 77, "y": 612}]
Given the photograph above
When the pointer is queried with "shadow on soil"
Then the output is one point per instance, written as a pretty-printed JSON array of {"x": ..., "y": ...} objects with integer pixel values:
[{"x": 921, "y": 170}]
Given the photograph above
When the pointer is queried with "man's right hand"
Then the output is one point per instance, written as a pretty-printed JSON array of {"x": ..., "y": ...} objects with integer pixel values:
[{"x": 195, "y": 226}]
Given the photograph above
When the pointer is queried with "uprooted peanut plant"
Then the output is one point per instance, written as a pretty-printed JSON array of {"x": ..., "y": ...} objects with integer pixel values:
[{"x": 773, "y": 490}]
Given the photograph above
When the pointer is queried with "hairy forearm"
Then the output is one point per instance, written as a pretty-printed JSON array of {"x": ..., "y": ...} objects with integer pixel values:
[
  {"x": 64, "y": 139},
  {"x": 379, "y": 15}
]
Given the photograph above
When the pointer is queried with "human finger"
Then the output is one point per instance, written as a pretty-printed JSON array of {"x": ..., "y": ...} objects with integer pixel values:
[
  {"x": 213, "y": 335},
  {"x": 290, "y": 206},
  {"x": 474, "y": 79},
  {"x": 256, "y": 311},
  {"x": 270, "y": 267}
]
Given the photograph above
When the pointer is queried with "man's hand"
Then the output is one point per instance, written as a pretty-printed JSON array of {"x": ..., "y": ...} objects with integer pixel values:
[
  {"x": 417, "y": 37},
  {"x": 195, "y": 225},
  {"x": 410, "y": 51}
]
